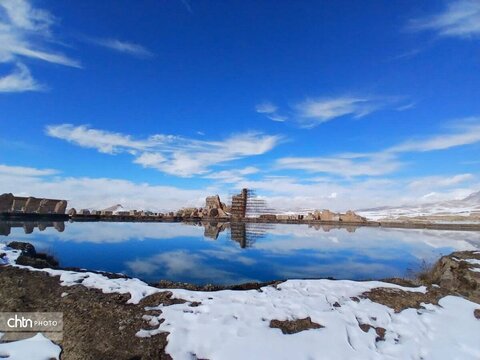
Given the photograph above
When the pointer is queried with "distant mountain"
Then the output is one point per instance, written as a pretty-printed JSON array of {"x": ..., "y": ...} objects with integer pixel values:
[
  {"x": 464, "y": 207},
  {"x": 475, "y": 197},
  {"x": 113, "y": 208}
]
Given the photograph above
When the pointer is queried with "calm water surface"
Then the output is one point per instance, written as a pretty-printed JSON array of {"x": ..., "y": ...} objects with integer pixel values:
[{"x": 235, "y": 253}]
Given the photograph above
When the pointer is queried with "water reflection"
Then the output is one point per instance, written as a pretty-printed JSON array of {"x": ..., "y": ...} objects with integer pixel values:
[
  {"x": 246, "y": 234},
  {"x": 29, "y": 226},
  {"x": 227, "y": 253}
]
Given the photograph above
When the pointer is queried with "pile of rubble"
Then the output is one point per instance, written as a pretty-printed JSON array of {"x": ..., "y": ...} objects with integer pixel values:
[
  {"x": 324, "y": 215},
  {"x": 213, "y": 209},
  {"x": 327, "y": 215}
]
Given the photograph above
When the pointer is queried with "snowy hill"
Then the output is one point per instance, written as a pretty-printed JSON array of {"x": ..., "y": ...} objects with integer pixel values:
[{"x": 469, "y": 208}]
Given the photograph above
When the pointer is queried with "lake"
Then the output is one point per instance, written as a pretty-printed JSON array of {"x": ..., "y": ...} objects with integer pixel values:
[{"x": 234, "y": 253}]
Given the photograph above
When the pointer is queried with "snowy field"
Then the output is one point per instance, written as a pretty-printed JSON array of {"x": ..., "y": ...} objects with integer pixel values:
[
  {"x": 466, "y": 208},
  {"x": 235, "y": 324}
]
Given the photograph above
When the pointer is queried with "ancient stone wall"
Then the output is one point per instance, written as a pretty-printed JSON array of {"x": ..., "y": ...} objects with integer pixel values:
[
  {"x": 6, "y": 202},
  {"x": 19, "y": 204},
  {"x": 31, "y": 205}
]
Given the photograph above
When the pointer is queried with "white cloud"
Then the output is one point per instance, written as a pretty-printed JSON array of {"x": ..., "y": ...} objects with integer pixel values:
[
  {"x": 98, "y": 193},
  {"x": 266, "y": 108},
  {"x": 293, "y": 194},
  {"x": 440, "y": 181},
  {"x": 174, "y": 155},
  {"x": 19, "y": 80},
  {"x": 124, "y": 47},
  {"x": 234, "y": 175},
  {"x": 25, "y": 171},
  {"x": 104, "y": 141},
  {"x": 313, "y": 112},
  {"x": 281, "y": 193},
  {"x": 344, "y": 165},
  {"x": 460, "y": 18},
  {"x": 468, "y": 132},
  {"x": 25, "y": 32},
  {"x": 270, "y": 110},
  {"x": 465, "y": 132}
]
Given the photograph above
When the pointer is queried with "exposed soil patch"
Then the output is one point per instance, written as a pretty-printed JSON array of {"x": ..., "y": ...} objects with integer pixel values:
[
  {"x": 96, "y": 325},
  {"x": 165, "y": 284},
  {"x": 294, "y": 326},
  {"x": 379, "y": 330},
  {"x": 400, "y": 300}
]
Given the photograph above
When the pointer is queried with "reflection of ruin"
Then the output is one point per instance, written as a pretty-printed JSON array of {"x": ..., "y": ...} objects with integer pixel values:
[
  {"x": 29, "y": 226},
  {"x": 327, "y": 228},
  {"x": 243, "y": 233},
  {"x": 213, "y": 229},
  {"x": 247, "y": 233}
]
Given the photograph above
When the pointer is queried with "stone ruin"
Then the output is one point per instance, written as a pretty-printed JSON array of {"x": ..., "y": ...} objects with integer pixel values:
[
  {"x": 327, "y": 215},
  {"x": 214, "y": 209},
  {"x": 31, "y": 205}
]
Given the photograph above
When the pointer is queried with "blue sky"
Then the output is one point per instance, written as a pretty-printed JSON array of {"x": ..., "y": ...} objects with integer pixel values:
[{"x": 156, "y": 104}]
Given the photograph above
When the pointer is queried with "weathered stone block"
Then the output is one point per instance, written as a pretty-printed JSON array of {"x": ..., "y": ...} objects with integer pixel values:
[{"x": 6, "y": 202}]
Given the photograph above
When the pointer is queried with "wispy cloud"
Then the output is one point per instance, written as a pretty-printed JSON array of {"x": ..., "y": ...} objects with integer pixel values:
[
  {"x": 187, "y": 5},
  {"x": 233, "y": 175},
  {"x": 313, "y": 112},
  {"x": 407, "y": 106},
  {"x": 124, "y": 47},
  {"x": 270, "y": 110},
  {"x": 26, "y": 32},
  {"x": 19, "y": 80},
  {"x": 465, "y": 132},
  {"x": 460, "y": 18},
  {"x": 171, "y": 154},
  {"x": 25, "y": 171},
  {"x": 346, "y": 165},
  {"x": 440, "y": 181}
]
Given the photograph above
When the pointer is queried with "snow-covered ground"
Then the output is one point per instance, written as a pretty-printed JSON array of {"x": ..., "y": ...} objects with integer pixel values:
[
  {"x": 467, "y": 207},
  {"x": 235, "y": 324}
]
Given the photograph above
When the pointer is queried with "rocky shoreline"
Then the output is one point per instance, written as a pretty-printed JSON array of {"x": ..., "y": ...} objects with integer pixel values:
[{"x": 89, "y": 311}]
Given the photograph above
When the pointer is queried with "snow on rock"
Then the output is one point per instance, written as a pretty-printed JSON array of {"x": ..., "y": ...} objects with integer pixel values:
[
  {"x": 235, "y": 324},
  {"x": 37, "y": 347}
]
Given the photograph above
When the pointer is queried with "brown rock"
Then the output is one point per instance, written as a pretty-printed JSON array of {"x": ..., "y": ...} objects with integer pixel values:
[
  {"x": 327, "y": 215},
  {"x": 6, "y": 202},
  {"x": 32, "y": 205},
  {"x": 350, "y": 216},
  {"x": 44, "y": 206},
  {"x": 295, "y": 326},
  {"x": 476, "y": 313},
  {"x": 60, "y": 207}
]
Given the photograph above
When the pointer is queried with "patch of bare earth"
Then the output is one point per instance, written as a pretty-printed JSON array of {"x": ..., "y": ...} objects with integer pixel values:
[
  {"x": 378, "y": 329},
  {"x": 450, "y": 275},
  {"x": 96, "y": 325},
  {"x": 294, "y": 326}
]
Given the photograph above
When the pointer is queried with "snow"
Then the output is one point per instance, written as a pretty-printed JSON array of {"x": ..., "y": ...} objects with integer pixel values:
[
  {"x": 463, "y": 208},
  {"x": 37, "y": 347},
  {"x": 235, "y": 324},
  {"x": 473, "y": 262}
]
